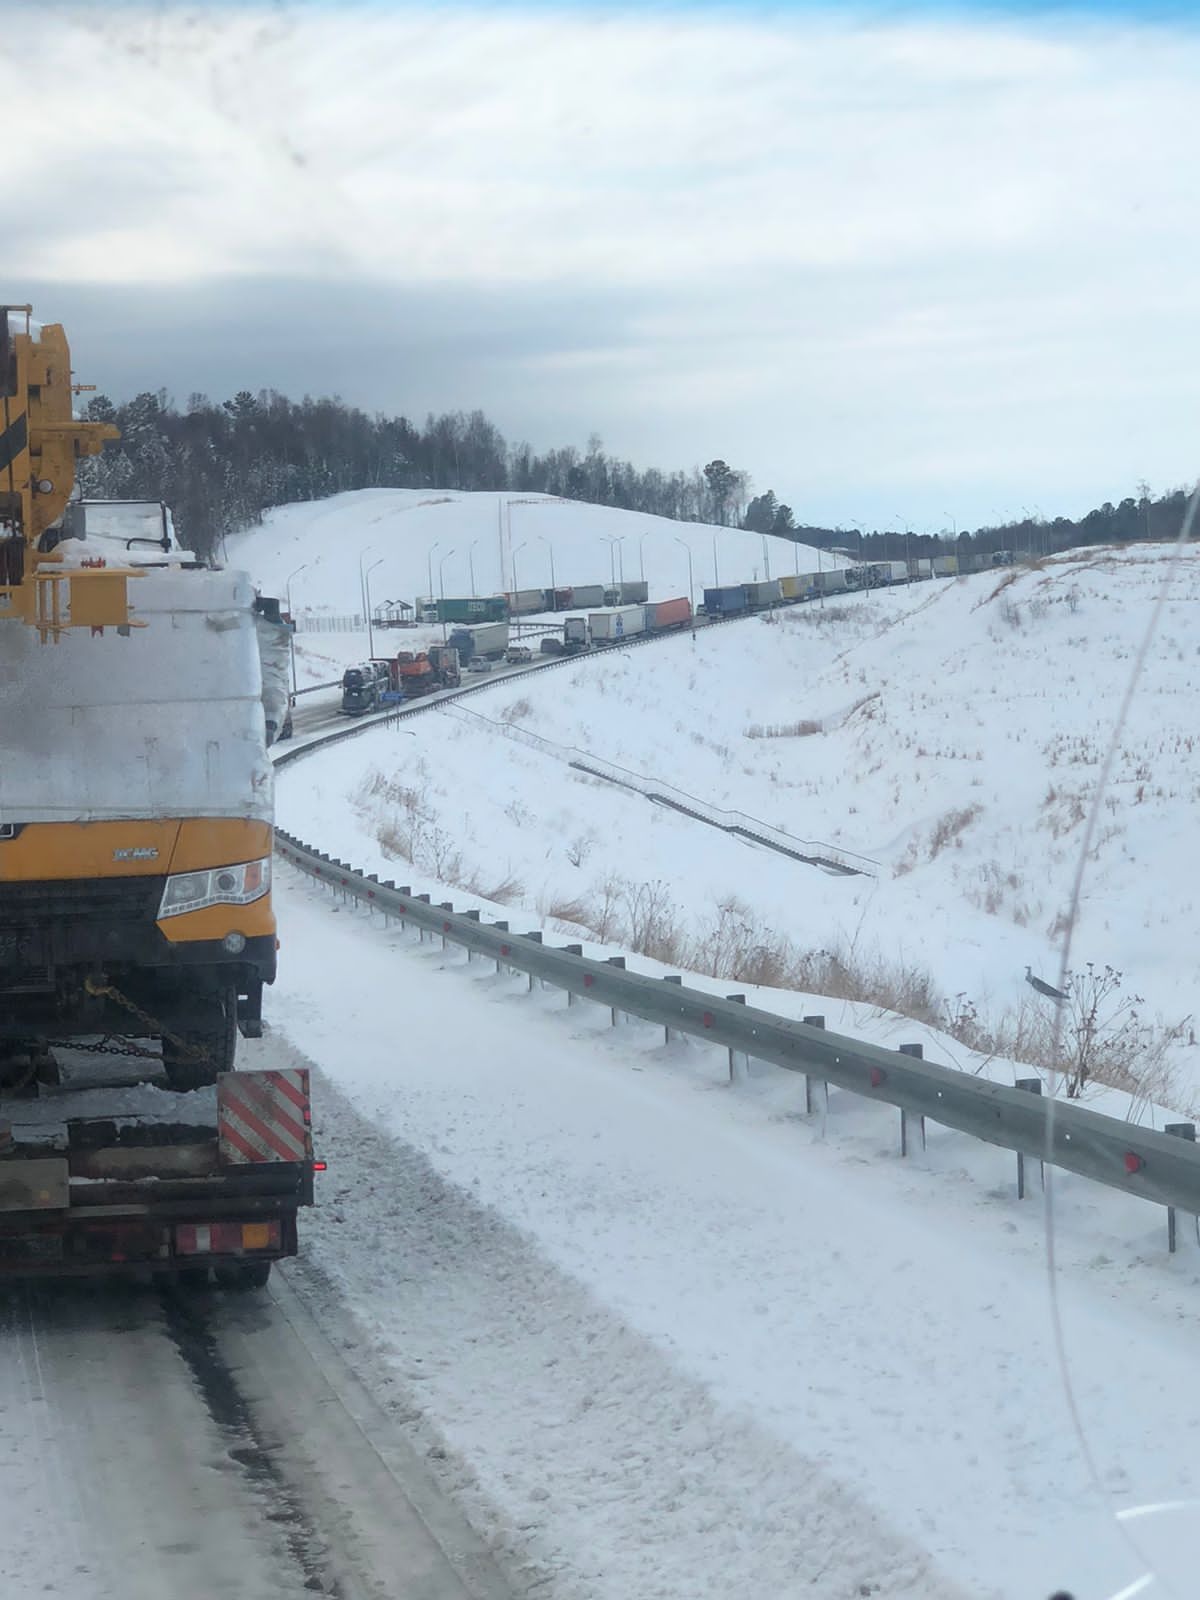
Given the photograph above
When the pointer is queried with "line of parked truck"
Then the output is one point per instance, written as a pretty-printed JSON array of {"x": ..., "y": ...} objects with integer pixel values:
[
  {"x": 473, "y": 609},
  {"x": 735, "y": 599},
  {"x": 482, "y": 635},
  {"x": 389, "y": 680}
]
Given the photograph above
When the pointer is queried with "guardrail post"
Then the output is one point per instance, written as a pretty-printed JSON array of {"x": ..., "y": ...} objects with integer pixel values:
[
  {"x": 471, "y": 916},
  {"x": 614, "y": 961},
  {"x": 421, "y": 931},
  {"x": 500, "y": 927},
  {"x": 918, "y": 1053},
  {"x": 535, "y": 938},
  {"x": 572, "y": 950},
  {"x": 445, "y": 905},
  {"x": 1181, "y": 1130},
  {"x": 667, "y": 1030},
  {"x": 812, "y": 1022},
  {"x": 738, "y": 1000},
  {"x": 1031, "y": 1086}
]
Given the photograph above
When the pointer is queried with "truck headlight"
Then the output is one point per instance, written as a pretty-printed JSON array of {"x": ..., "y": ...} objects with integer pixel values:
[{"x": 222, "y": 886}]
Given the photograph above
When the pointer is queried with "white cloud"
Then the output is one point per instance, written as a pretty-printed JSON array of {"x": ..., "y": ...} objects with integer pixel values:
[{"x": 900, "y": 252}]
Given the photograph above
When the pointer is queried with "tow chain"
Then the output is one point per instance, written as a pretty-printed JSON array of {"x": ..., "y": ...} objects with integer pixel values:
[
  {"x": 106, "y": 1048},
  {"x": 109, "y": 992}
]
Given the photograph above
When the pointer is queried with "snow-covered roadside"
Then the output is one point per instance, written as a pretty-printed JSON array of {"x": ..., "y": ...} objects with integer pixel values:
[
  {"x": 886, "y": 1324},
  {"x": 967, "y": 770}
]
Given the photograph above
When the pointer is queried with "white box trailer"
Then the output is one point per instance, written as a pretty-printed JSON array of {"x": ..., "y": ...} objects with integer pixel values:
[
  {"x": 895, "y": 571},
  {"x": 617, "y": 622},
  {"x": 484, "y": 639},
  {"x": 945, "y": 566}
]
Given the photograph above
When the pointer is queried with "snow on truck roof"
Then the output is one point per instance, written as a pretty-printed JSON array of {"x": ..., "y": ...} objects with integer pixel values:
[{"x": 165, "y": 722}]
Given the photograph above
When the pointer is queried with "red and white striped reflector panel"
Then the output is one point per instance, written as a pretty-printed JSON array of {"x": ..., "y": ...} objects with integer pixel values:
[
  {"x": 225, "y": 1238},
  {"x": 264, "y": 1116}
]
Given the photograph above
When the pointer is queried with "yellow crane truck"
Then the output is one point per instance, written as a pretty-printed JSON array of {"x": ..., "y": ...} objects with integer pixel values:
[{"x": 135, "y": 789}]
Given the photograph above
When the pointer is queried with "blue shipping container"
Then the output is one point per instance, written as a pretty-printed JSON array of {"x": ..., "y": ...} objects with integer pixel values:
[{"x": 724, "y": 602}]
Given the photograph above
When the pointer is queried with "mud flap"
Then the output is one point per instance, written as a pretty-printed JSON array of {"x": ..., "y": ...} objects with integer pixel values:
[
  {"x": 249, "y": 1012},
  {"x": 36, "y": 1184}
]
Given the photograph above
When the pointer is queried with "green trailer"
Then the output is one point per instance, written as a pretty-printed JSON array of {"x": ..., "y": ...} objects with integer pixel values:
[{"x": 478, "y": 608}]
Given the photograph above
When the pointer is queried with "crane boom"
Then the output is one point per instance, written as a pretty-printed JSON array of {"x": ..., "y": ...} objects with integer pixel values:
[{"x": 40, "y": 442}]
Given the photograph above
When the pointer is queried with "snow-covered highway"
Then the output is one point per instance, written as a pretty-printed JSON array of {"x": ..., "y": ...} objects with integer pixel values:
[{"x": 199, "y": 1444}]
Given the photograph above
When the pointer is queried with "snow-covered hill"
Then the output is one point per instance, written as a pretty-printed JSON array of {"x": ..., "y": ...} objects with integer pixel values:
[
  {"x": 421, "y": 542},
  {"x": 951, "y": 731}
]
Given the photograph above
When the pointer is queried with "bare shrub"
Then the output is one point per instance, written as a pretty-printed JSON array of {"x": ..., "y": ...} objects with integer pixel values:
[
  {"x": 573, "y": 911},
  {"x": 948, "y": 827},
  {"x": 784, "y": 730},
  {"x": 580, "y": 848},
  {"x": 502, "y": 893},
  {"x": 604, "y": 915},
  {"x": 653, "y": 921},
  {"x": 518, "y": 709}
]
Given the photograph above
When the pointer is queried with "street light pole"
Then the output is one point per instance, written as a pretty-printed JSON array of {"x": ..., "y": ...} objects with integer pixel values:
[
  {"x": 716, "y": 574},
  {"x": 291, "y": 619},
  {"x": 684, "y": 546},
  {"x": 471, "y": 564},
  {"x": 370, "y": 628},
  {"x": 907, "y": 543},
  {"x": 429, "y": 561},
  {"x": 642, "y": 537},
  {"x": 362, "y": 588},
  {"x": 442, "y": 591},
  {"x": 611, "y": 541},
  {"x": 553, "y": 579},
  {"x": 515, "y": 554}
]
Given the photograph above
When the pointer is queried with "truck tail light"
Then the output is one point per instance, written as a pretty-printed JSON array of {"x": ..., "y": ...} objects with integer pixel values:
[{"x": 226, "y": 1238}]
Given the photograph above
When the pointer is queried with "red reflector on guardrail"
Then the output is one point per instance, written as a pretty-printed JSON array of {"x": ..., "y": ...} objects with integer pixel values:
[
  {"x": 1133, "y": 1163},
  {"x": 878, "y": 1077},
  {"x": 707, "y": 1019}
]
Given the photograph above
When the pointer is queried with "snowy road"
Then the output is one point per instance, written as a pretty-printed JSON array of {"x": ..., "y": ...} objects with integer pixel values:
[
  {"x": 670, "y": 1337},
  {"x": 197, "y": 1444}
]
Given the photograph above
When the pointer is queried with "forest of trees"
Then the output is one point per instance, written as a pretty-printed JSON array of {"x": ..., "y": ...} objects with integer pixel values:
[{"x": 220, "y": 465}]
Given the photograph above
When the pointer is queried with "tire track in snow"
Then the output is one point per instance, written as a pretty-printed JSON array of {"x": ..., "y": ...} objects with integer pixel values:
[{"x": 597, "y": 1468}]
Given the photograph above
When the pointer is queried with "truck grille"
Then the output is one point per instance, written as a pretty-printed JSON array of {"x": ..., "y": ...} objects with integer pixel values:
[{"x": 109, "y": 901}]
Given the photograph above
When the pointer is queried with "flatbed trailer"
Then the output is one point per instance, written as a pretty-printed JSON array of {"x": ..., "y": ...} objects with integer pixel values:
[{"x": 219, "y": 1186}]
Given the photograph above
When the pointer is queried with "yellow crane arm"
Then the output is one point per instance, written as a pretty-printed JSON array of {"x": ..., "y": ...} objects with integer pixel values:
[{"x": 40, "y": 442}]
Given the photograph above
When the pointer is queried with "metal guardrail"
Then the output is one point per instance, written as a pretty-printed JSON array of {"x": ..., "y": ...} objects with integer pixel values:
[
  {"x": 813, "y": 852},
  {"x": 1162, "y": 1167}
]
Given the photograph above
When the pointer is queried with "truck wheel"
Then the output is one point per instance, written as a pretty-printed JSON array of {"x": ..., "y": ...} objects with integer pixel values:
[
  {"x": 243, "y": 1275},
  {"x": 216, "y": 1037}
]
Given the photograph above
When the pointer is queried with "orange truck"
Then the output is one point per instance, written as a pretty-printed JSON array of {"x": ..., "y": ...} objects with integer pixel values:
[{"x": 136, "y": 800}]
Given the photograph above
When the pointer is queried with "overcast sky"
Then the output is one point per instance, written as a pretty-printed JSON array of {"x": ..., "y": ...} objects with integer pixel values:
[{"x": 895, "y": 263}]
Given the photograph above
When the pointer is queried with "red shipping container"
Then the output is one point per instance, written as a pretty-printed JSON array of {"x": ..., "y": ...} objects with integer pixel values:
[{"x": 672, "y": 613}]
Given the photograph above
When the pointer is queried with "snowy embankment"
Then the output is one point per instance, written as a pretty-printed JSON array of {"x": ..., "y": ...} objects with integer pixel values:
[
  {"x": 951, "y": 731},
  {"x": 420, "y": 542},
  {"x": 667, "y": 1336}
]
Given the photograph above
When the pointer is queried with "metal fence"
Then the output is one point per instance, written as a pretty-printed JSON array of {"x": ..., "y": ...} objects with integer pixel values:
[
  {"x": 813, "y": 852},
  {"x": 1162, "y": 1167}
]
